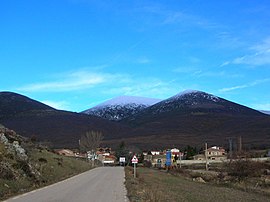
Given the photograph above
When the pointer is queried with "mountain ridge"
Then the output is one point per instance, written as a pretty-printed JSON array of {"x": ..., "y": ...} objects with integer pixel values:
[
  {"x": 195, "y": 117},
  {"x": 61, "y": 128},
  {"x": 192, "y": 117},
  {"x": 14, "y": 103},
  {"x": 121, "y": 107}
]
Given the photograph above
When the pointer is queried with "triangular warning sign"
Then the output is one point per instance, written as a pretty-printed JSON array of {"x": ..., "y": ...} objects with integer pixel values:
[{"x": 134, "y": 159}]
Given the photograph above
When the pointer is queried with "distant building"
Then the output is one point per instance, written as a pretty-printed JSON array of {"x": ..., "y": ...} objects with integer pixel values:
[
  {"x": 105, "y": 155},
  {"x": 64, "y": 152},
  {"x": 145, "y": 153},
  {"x": 216, "y": 153},
  {"x": 213, "y": 153},
  {"x": 176, "y": 154},
  {"x": 155, "y": 153},
  {"x": 158, "y": 158},
  {"x": 111, "y": 159}
]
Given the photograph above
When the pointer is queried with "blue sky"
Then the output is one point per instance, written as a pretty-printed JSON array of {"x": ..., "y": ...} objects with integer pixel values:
[{"x": 74, "y": 54}]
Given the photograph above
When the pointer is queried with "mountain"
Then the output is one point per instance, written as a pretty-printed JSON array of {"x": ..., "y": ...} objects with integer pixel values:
[
  {"x": 194, "y": 117},
  {"x": 13, "y": 103},
  {"x": 121, "y": 107},
  {"x": 265, "y": 112},
  {"x": 191, "y": 101},
  {"x": 31, "y": 118},
  {"x": 188, "y": 118}
]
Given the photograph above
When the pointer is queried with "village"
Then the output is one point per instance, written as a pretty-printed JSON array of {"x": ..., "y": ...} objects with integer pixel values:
[{"x": 157, "y": 158}]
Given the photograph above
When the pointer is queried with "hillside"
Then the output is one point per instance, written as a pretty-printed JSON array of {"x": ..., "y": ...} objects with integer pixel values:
[
  {"x": 25, "y": 166},
  {"x": 188, "y": 118},
  {"x": 194, "y": 117},
  {"x": 58, "y": 128},
  {"x": 13, "y": 104},
  {"x": 191, "y": 101}
]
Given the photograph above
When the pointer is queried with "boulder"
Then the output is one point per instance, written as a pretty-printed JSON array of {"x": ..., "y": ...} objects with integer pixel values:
[
  {"x": 199, "y": 179},
  {"x": 266, "y": 172}
]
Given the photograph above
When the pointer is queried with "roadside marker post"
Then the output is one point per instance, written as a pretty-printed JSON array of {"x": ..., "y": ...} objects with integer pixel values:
[{"x": 134, "y": 161}]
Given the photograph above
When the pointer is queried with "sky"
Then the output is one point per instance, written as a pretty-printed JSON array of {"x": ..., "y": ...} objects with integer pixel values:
[{"x": 75, "y": 54}]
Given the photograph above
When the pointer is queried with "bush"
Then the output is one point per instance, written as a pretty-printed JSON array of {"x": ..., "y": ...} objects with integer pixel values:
[
  {"x": 42, "y": 160},
  {"x": 147, "y": 164},
  {"x": 6, "y": 171},
  {"x": 243, "y": 168}
]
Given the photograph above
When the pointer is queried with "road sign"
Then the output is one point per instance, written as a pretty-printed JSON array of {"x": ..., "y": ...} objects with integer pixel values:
[
  {"x": 122, "y": 159},
  {"x": 168, "y": 158},
  {"x": 134, "y": 159}
]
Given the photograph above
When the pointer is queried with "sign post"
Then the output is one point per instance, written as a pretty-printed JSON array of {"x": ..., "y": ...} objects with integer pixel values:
[{"x": 134, "y": 161}]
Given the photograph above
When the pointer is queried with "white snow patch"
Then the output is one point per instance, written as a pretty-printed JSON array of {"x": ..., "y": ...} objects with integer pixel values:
[
  {"x": 195, "y": 93},
  {"x": 265, "y": 112},
  {"x": 126, "y": 100},
  {"x": 189, "y": 91}
]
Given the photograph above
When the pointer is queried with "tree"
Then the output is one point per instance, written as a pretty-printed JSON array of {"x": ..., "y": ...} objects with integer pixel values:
[
  {"x": 190, "y": 151},
  {"x": 122, "y": 151},
  {"x": 90, "y": 140}
]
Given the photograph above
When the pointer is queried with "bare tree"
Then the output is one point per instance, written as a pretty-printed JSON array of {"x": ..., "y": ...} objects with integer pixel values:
[{"x": 90, "y": 140}]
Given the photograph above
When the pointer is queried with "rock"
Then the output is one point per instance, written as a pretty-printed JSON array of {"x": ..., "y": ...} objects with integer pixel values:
[
  {"x": 14, "y": 149},
  {"x": 199, "y": 179},
  {"x": 3, "y": 139},
  {"x": 19, "y": 151},
  {"x": 266, "y": 172},
  {"x": 15, "y": 153},
  {"x": 267, "y": 181}
]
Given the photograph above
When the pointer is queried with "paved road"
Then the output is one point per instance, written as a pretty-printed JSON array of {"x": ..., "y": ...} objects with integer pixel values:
[{"x": 98, "y": 185}]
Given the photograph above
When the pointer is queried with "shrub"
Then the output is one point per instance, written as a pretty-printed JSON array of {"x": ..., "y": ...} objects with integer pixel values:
[
  {"x": 2, "y": 151},
  {"x": 25, "y": 167},
  {"x": 2, "y": 148},
  {"x": 42, "y": 160},
  {"x": 243, "y": 168},
  {"x": 6, "y": 171},
  {"x": 147, "y": 164}
]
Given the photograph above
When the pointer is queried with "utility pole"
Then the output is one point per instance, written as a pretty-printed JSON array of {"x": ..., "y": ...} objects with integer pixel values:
[
  {"x": 230, "y": 146},
  {"x": 206, "y": 157},
  {"x": 180, "y": 159},
  {"x": 240, "y": 144}
]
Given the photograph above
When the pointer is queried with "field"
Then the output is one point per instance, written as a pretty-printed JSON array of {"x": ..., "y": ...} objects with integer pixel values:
[{"x": 156, "y": 185}]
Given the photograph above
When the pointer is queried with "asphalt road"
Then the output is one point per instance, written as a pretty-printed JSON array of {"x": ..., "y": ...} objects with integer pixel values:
[{"x": 98, "y": 185}]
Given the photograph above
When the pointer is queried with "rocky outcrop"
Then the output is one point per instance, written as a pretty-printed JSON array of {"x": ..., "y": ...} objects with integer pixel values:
[{"x": 15, "y": 163}]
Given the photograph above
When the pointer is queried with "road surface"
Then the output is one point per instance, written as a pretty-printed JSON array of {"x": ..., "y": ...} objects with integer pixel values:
[{"x": 98, "y": 185}]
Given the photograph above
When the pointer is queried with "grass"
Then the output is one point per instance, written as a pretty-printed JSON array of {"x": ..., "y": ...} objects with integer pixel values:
[
  {"x": 57, "y": 167},
  {"x": 154, "y": 185},
  {"x": 52, "y": 167}
]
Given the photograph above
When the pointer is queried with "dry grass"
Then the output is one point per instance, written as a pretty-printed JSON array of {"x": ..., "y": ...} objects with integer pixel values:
[{"x": 154, "y": 185}]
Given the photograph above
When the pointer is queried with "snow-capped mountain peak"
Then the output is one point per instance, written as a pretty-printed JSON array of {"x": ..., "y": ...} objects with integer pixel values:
[
  {"x": 193, "y": 101},
  {"x": 185, "y": 92},
  {"x": 126, "y": 100},
  {"x": 121, "y": 107},
  {"x": 193, "y": 95}
]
